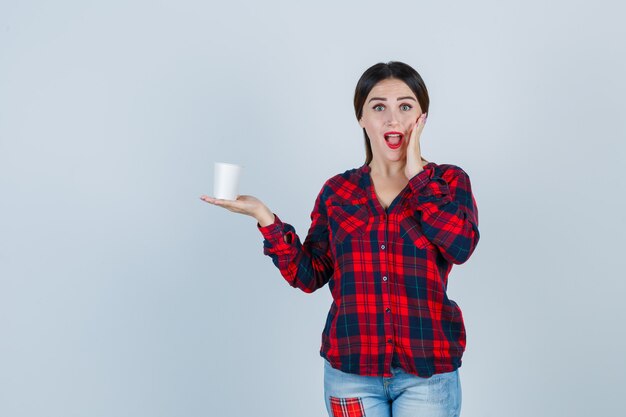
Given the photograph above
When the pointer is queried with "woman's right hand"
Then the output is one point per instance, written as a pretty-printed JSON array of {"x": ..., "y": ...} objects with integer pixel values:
[{"x": 245, "y": 204}]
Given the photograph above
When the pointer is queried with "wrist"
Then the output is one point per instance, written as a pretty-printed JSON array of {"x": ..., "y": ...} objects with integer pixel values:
[
  {"x": 265, "y": 217},
  {"x": 413, "y": 172}
]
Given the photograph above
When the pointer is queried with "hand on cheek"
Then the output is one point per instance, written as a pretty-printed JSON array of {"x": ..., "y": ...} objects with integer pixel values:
[{"x": 413, "y": 153}]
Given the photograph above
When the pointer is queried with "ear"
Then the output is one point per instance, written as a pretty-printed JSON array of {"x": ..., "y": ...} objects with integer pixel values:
[{"x": 361, "y": 123}]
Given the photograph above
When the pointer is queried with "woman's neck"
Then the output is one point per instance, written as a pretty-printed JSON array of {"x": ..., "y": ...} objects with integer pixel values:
[{"x": 389, "y": 169}]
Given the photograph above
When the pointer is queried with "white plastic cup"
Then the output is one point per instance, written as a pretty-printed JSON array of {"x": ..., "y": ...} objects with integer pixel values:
[{"x": 226, "y": 181}]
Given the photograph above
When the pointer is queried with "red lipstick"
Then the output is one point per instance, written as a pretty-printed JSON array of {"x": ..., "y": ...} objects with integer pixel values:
[{"x": 394, "y": 139}]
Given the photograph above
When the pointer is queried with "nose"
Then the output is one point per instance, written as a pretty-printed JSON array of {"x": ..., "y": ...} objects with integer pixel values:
[{"x": 392, "y": 118}]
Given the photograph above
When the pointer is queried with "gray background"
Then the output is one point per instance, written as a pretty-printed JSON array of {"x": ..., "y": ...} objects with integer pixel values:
[{"x": 123, "y": 294}]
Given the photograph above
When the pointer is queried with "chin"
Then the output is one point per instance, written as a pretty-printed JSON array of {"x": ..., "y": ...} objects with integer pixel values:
[
  {"x": 401, "y": 153},
  {"x": 396, "y": 158}
]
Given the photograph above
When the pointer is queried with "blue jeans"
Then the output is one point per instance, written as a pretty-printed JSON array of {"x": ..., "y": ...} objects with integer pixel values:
[{"x": 401, "y": 395}]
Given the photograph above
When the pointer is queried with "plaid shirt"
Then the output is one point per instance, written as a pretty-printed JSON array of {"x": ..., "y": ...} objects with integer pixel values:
[{"x": 387, "y": 269}]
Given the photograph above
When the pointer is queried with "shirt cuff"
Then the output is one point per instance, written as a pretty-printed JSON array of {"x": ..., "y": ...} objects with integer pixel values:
[
  {"x": 272, "y": 232},
  {"x": 419, "y": 180},
  {"x": 429, "y": 191}
]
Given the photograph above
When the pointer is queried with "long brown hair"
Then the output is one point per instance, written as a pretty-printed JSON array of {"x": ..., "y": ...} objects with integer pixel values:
[{"x": 382, "y": 71}]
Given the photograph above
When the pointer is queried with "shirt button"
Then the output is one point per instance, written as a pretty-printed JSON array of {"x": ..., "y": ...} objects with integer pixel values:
[
  {"x": 389, "y": 340},
  {"x": 382, "y": 247},
  {"x": 384, "y": 278},
  {"x": 388, "y": 310}
]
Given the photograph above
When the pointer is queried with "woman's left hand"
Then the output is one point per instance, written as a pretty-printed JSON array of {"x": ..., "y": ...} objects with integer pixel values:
[{"x": 413, "y": 153}]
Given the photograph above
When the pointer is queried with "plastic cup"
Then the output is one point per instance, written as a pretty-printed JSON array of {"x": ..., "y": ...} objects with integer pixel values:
[{"x": 226, "y": 181}]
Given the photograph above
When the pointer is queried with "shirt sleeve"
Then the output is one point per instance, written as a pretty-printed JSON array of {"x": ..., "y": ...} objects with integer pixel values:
[
  {"x": 309, "y": 265},
  {"x": 446, "y": 209}
]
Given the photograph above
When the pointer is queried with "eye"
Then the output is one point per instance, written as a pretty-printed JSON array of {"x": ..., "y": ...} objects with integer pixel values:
[
  {"x": 406, "y": 107},
  {"x": 377, "y": 106}
]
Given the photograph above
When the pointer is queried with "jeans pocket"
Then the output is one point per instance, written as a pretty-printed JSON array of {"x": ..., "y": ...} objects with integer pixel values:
[{"x": 442, "y": 388}]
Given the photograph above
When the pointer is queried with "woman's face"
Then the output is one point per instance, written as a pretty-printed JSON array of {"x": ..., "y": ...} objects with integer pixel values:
[{"x": 389, "y": 114}]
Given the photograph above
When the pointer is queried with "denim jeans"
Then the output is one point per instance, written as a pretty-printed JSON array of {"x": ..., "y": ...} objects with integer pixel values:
[{"x": 401, "y": 395}]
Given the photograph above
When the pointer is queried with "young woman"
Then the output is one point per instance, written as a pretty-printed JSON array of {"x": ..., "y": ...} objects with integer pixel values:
[{"x": 384, "y": 236}]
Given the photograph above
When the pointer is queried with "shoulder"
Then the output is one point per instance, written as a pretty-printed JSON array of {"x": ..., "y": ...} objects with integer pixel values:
[
  {"x": 347, "y": 185},
  {"x": 352, "y": 175}
]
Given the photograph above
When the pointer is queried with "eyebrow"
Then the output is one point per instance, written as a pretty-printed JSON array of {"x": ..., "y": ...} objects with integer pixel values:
[{"x": 384, "y": 99}]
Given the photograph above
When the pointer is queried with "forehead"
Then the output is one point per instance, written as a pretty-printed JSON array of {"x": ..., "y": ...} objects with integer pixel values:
[{"x": 390, "y": 88}]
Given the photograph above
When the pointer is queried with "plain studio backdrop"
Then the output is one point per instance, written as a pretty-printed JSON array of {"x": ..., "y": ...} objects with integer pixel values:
[{"x": 123, "y": 294}]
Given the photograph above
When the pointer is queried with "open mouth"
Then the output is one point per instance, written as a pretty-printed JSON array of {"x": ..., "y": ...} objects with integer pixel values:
[{"x": 394, "y": 139}]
